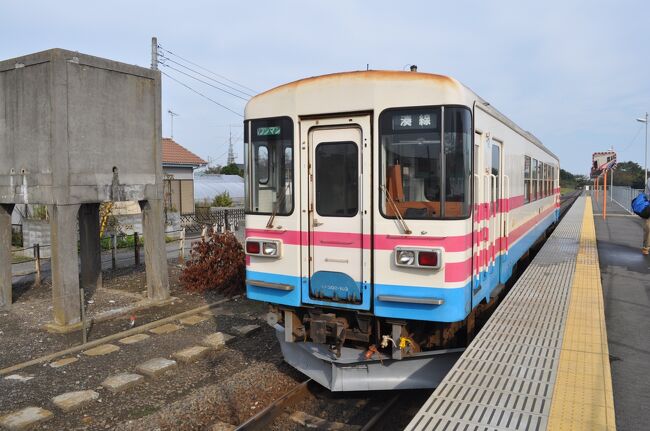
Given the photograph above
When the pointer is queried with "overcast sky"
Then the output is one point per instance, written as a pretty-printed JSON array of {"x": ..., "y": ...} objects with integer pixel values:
[{"x": 576, "y": 74}]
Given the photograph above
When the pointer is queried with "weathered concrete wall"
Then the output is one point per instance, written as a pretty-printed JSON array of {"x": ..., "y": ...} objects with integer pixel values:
[
  {"x": 37, "y": 232},
  {"x": 78, "y": 129}
]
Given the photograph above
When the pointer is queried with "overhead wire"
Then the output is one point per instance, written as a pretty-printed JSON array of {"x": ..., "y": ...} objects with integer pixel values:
[
  {"x": 165, "y": 59},
  {"x": 204, "y": 82},
  {"x": 207, "y": 70},
  {"x": 633, "y": 140},
  {"x": 201, "y": 94}
]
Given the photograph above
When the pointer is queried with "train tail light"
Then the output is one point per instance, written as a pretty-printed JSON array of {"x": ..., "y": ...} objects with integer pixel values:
[
  {"x": 253, "y": 247},
  {"x": 263, "y": 247},
  {"x": 428, "y": 258},
  {"x": 414, "y": 257}
]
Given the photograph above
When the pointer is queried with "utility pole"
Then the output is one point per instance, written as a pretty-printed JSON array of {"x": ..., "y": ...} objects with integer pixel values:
[
  {"x": 154, "y": 53},
  {"x": 171, "y": 116},
  {"x": 645, "y": 160}
]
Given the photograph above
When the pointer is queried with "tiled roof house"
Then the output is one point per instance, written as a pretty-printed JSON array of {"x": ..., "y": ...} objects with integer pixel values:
[{"x": 178, "y": 168}]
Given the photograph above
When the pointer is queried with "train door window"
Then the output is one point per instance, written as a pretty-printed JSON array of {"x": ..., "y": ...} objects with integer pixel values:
[
  {"x": 269, "y": 171},
  {"x": 542, "y": 192},
  {"x": 527, "y": 176},
  {"x": 496, "y": 167},
  {"x": 337, "y": 179}
]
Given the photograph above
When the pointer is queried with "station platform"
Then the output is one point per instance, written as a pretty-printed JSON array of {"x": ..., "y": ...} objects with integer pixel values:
[
  {"x": 625, "y": 275},
  {"x": 542, "y": 360}
]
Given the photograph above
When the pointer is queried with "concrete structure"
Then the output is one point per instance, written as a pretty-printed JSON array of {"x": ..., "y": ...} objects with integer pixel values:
[
  {"x": 75, "y": 131},
  {"x": 178, "y": 167}
]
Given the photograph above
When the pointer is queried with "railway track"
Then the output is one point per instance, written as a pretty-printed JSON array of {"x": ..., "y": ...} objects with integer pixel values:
[
  {"x": 567, "y": 200},
  {"x": 309, "y": 405}
]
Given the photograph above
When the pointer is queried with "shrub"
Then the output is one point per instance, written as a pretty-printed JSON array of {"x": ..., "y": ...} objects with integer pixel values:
[
  {"x": 123, "y": 241},
  {"x": 222, "y": 200},
  {"x": 216, "y": 264}
]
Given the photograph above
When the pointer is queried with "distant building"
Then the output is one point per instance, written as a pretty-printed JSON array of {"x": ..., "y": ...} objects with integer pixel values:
[
  {"x": 178, "y": 169},
  {"x": 209, "y": 186}
]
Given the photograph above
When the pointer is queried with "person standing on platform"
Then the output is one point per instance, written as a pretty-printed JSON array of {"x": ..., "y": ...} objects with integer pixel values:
[{"x": 646, "y": 226}]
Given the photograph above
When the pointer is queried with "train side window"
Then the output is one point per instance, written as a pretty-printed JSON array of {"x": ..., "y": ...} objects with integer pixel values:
[
  {"x": 533, "y": 180},
  {"x": 526, "y": 179},
  {"x": 539, "y": 180}
]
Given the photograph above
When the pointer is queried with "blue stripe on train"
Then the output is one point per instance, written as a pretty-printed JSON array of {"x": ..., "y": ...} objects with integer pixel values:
[{"x": 457, "y": 302}]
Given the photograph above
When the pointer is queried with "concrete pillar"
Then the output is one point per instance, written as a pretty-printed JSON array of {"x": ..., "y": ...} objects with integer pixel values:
[
  {"x": 155, "y": 249},
  {"x": 90, "y": 249},
  {"x": 65, "y": 265},
  {"x": 5, "y": 256}
]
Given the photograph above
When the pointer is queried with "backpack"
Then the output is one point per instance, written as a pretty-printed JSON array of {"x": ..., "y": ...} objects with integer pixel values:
[{"x": 641, "y": 206}]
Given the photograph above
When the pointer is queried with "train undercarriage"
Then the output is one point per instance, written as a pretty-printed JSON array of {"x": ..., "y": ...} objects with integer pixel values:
[{"x": 347, "y": 350}]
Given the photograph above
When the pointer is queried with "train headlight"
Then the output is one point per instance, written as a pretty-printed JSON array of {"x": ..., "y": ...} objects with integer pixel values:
[
  {"x": 416, "y": 257},
  {"x": 405, "y": 257},
  {"x": 270, "y": 249}
]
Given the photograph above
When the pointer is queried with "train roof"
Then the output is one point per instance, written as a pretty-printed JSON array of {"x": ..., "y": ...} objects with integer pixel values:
[{"x": 387, "y": 77}]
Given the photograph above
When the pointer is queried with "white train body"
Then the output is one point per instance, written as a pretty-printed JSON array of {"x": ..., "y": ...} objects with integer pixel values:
[{"x": 386, "y": 205}]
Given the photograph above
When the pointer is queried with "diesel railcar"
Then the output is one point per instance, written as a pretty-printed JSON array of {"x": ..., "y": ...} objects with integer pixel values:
[{"x": 384, "y": 211}]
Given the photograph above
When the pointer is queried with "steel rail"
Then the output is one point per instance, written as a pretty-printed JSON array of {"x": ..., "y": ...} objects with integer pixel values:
[{"x": 264, "y": 418}]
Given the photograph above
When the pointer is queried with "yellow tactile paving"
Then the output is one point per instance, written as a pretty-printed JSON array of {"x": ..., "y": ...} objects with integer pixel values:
[{"x": 582, "y": 396}]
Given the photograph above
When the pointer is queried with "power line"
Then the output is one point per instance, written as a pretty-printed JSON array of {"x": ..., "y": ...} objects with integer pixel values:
[
  {"x": 208, "y": 70},
  {"x": 200, "y": 94},
  {"x": 165, "y": 59},
  {"x": 633, "y": 140},
  {"x": 204, "y": 82}
]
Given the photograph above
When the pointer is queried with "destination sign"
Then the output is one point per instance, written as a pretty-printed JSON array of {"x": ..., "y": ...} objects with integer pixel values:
[
  {"x": 268, "y": 131},
  {"x": 415, "y": 120}
]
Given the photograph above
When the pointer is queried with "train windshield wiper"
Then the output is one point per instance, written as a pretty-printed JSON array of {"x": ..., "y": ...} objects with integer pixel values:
[
  {"x": 276, "y": 206},
  {"x": 398, "y": 214}
]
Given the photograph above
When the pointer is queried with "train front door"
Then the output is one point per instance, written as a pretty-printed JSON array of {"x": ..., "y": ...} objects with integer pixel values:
[{"x": 338, "y": 211}]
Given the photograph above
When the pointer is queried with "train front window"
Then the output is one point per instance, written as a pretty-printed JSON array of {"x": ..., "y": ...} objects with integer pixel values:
[
  {"x": 425, "y": 175},
  {"x": 269, "y": 166}
]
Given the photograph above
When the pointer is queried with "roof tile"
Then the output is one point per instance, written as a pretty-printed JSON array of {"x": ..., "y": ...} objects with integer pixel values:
[{"x": 175, "y": 154}]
